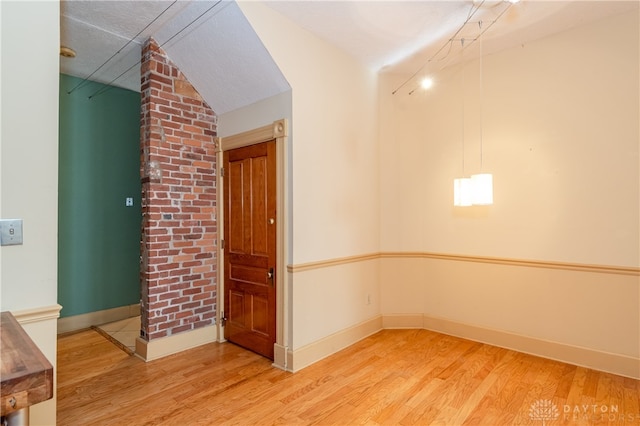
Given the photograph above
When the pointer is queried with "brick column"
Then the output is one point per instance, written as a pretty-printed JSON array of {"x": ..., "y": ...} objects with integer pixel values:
[{"x": 179, "y": 228}]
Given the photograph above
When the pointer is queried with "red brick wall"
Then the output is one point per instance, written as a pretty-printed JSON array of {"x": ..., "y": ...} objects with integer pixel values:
[{"x": 179, "y": 229}]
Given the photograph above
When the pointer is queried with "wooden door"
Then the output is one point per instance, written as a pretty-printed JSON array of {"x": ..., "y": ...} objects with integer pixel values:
[{"x": 250, "y": 247}]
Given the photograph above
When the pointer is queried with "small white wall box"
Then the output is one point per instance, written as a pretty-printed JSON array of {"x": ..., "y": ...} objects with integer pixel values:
[{"x": 10, "y": 232}]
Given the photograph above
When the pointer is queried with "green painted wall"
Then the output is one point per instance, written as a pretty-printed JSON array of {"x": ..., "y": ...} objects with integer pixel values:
[{"x": 99, "y": 166}]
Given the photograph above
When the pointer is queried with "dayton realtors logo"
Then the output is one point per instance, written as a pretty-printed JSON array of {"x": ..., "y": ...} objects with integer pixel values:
[{"x": 544, "y": 410}]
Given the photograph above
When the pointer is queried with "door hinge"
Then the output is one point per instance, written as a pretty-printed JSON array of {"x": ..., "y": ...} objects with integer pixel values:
[
  {"x": 221, "y": 171},
  {"x": 222, "y": 244},
  {"x": 223, "y": 319}
]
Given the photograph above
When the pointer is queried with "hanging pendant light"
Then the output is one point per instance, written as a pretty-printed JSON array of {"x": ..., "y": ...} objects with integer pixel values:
[
  {"x": 482, "y": 189},
  {"x": 462, "y": 192},
  {"x": 478, "y": 189}
]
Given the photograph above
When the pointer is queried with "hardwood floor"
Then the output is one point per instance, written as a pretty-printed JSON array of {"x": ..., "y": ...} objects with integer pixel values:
[{"x": 405, "y": 377}]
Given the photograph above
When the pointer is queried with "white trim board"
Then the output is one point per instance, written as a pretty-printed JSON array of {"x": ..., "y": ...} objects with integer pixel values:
[
  {"x": 320, "y": 349},
  {"x": 82, "y": 321},
  {"x": 27, "y": 316}
]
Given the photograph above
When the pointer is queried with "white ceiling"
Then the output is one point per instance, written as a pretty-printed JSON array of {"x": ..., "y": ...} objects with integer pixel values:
[
  {"x": 211, "y": 42},
  {"x": 225, "y": 60}
]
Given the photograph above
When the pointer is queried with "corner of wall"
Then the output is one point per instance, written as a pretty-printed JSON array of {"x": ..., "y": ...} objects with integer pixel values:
[{"x": 179, "y": 235}]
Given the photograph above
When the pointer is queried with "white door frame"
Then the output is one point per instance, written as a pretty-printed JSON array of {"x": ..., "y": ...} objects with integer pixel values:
[{"x": 278, "y": 130}]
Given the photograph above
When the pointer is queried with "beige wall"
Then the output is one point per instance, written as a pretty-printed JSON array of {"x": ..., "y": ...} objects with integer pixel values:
[
  {"x": 560, "y": 134},
  {"x": 560, "y": 126},
  {"x": 334, "y": 154},
  {"x": 259, "y": 114},
  {"x": 30, "y": 52},
  {"x": 589, "y": 318},
  {"x": 334, "y": 174},
  {"x": 333, "y": 298},
  {"x": 29, "y": 155}
]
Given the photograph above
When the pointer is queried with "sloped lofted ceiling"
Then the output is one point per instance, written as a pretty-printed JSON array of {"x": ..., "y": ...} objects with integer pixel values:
[
  {"x": 400, "y": 35},
  {"x": 211, "y": 42},
  {"x": 215, "y": 46}
]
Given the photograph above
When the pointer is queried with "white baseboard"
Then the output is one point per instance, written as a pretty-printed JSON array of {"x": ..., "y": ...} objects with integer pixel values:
[
  {"x": 280, "y": 356},
  {"x": 158, "y": 348},
  {"x": 598, "y": 360},
  {"x": 314, "y": 352},
  {"x": 403, "y": 321},
  {"x": 82, "y": 321}
]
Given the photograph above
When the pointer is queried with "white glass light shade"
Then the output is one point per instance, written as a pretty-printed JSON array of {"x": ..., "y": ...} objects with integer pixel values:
[
  {"x": 482, "y": 189},
  {"x": 462, "y": 192}
]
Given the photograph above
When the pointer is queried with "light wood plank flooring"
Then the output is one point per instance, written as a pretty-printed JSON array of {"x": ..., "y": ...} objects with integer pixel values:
[{"x": 404, "y": 377}]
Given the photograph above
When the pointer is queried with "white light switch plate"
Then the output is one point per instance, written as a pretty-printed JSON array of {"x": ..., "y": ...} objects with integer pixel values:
[{"x": 10, "y": 232}]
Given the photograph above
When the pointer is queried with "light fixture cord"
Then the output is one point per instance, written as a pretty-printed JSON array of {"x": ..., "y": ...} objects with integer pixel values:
[
  {"x": 463, "y": 104},
  {"x": 481, "y": 95}
]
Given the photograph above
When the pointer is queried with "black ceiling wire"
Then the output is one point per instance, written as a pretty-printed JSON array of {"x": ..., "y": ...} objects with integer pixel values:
[
  {"x": 190, "y": 23},
  {"x": 441, "y": 59},
  {"x": 472, "y": 12},
  {"x": 120, "y": 50},
  {"x": 108, "y": 85},
  {"x": 474, "y": 9}
]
